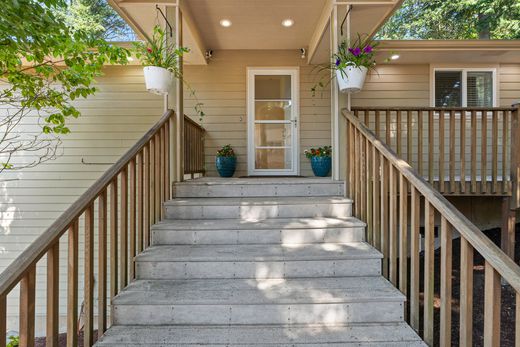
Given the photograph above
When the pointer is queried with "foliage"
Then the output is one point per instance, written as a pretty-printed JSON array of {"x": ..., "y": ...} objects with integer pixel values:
[
  {"x": 14, "y": 341},
  {"x": 358, "y": 53},
  {"x": 161, "y": 52},
  {"x": 46, "y": 65},
  {"x": 96, "y": 17},
  {"x": 226, "y": 151},
  {"x": 454, "y": 19},
  {"x": 325, "y": 151}
]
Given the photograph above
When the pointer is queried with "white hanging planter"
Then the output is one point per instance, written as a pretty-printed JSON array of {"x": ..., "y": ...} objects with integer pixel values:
[
  {"x": 158, "y": 80},
  {"x": 352, "y": 79}
]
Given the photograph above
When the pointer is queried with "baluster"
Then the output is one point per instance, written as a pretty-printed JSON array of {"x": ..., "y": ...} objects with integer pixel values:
[
  {"x": 473, "y": 151},
  {"x": 429, "y": 258},
  {"x": 140, "y": 202},
  {"x": 162, "y": 177},
  {"x": 151, "y": 194},
  {"x": 123, "y": 247},
  {"x": 420, "y": 142},
  {"x": 366, "y": 120},
  {"x": 132, "y": 215},
  {"x": 3, "y": 319},
  {"x": 398, "y": 136},
  {"x": 462, "y": 151},
  {"x": 491, "y": 306},
  {"x": 88, "y": 330},
  {"x": 466, "y": 294},
  {"x": 157, "y": 181},
  {"x": 494, "y": 151},
  {"x": 363, "y": 178},
  {"x": 483, "y": 153},
  {"x": 409, "y": 137},
  {"x": 27, "y": 307},
  {"x": 377, "y": 119},
  {"x": 446, "y": 273},
  {"x": 393, "y": 225},
  {"x": 441, "y": 151},
  {"x": 384, "y": 212},
  {"x": 102, "y": 262},
  {"x": 431, "y": 141},
  {"x": 53, "y": 295},
  {"x": 376, "y": 186},
  {"x": 505, "y": 146},
  {"x": 167, "y": 187},
  {"x": 517, "y": 319},
  {"x": 72, "y": 286},
  {"x": 147, "y": 195},
  {"x": 351, "y": 162},
  {"x": 388, "y": 119},
  {"x": 403, "y": 235},
  {"x": 414, "y": 263},
  {"x": 452, "y": 150},
  {"x": 369, "y": 192},
  {"x": 113, "y": 238},
  {"x": 357, "y": 200}
]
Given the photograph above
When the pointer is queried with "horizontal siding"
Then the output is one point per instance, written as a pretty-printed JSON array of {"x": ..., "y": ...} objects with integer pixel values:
[
  {"x": 509, "y": 84},
  {"x": 222, "y": 87},
  {"x": 111, "y": 122}
]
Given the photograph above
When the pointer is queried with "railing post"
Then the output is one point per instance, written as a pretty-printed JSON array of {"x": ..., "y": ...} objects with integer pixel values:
[
  {"x": 3, "y": 319},
  {"x": 515, "y": 157}
]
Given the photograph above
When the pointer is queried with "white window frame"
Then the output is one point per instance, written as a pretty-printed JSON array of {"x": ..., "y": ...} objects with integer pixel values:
[{"x": 465, "y": 71}]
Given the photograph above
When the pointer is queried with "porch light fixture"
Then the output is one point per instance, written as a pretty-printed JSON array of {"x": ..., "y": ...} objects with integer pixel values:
[
  {"x": 287, "y": 22},
  {"x": 395, "y": 56},
  {"x": 226, "y": 23}
]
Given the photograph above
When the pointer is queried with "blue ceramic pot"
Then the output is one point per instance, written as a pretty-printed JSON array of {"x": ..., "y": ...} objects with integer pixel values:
[
  {"x": 226, "y": 166},
  {"x": 321, "y": 166}
]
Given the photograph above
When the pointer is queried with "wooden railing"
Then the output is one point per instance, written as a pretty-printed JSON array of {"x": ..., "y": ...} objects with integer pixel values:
[
  {"x": 461, "y": 151},
  {"x": 395, "y": 201},
  {"x": 193, "y": 147},
  {"x": 122, "y": 204}
]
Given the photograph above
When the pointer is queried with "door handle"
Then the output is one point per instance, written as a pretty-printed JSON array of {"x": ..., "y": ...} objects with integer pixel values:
[{"x": 295, "y": 122}]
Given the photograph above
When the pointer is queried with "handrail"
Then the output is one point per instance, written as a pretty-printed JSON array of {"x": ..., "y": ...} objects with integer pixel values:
[
  {"x": 412, "y": 108},
  {"x": 379, "y": 182},
  {"x": 142, "y": 174}
]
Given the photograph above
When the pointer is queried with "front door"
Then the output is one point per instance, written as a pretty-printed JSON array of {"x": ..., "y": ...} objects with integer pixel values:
[{"x": 272, "y": 113}]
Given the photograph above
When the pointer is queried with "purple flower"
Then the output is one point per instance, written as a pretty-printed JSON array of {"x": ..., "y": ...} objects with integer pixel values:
[
  {"x": 338, "y": 62},
  {"x": 355, "y": 51},
  {"x": 368, "y": 49}
]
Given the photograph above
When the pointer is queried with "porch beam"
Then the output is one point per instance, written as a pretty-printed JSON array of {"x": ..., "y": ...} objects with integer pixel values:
[
  {"x": 127, "y": 3},
  {"x": 128, "y": 19},
  {"x": 396, "y": 4},
  {"x": 199, "y": 49},
  {"x": 319, "y": 31}
]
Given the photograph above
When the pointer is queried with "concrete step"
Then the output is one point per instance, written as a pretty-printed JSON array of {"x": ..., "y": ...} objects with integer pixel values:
[
  {"x": 250, "y": 301},
  {"x": 254, "y": 209},
  {"x": 389, "y": 334},
  {"x": 287, "y": 231},
  {"x": 258, "y": 261},
  {"x": 258, "y": 187}
]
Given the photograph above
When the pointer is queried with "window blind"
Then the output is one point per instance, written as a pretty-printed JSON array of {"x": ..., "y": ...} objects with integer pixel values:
[{"x": 480, "y": 88}]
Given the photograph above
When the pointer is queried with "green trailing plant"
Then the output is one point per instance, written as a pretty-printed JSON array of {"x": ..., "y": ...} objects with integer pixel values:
[
  {"x": 325, "y": 151},
  {"x": 226, "y": 151},
  {"x": 14, "y": 341},
  {"x": 45, "y": 64},
  {"x": 161, "y": 52},
  {"x": 357, "y": 53}
]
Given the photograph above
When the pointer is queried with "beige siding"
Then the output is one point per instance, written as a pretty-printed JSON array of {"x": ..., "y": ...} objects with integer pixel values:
[
  {"x": 509, "y": 84},
  {"x": 32, "y": 199},
  {"x": 221, "y": 86}
]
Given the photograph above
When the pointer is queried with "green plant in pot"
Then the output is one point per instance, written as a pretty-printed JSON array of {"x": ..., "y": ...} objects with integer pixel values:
[
  {"x": 321, "y": 161},
  {"x": 226, "y": 161}
]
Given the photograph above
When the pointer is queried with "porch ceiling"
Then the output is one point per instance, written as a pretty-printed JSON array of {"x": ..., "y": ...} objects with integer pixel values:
[{"x": 257, "y": 24}]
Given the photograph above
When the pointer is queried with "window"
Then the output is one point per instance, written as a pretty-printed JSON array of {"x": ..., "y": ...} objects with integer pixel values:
[{"x": 464, "y": 88}]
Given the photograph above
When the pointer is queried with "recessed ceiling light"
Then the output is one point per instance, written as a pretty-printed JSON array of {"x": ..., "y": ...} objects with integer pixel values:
[
  {"x": 287, "y": 22},
  {"x": 226, "y": 23},
  {"x": 395, "y": 56}
]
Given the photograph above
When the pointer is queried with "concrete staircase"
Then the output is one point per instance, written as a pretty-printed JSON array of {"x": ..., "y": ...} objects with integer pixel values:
[{"x": 259, "y": 262}]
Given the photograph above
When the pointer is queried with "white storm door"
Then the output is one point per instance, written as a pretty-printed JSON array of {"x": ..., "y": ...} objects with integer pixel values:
[{"x": 273, "y": 112}]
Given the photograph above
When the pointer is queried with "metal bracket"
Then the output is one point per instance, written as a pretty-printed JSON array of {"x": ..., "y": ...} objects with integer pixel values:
[{"x": 167, "y": 22}]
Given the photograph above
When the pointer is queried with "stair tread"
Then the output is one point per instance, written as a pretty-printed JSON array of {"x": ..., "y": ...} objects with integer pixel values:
[
  {"x": 258, "y": 252},
  {"x": 259, "y": 292},
  {"x": 208, "y": 181},
  {"x": 257, "y": 201},
  {"x": 273, "y": 223},
  {"x": 256, "y": 335}
]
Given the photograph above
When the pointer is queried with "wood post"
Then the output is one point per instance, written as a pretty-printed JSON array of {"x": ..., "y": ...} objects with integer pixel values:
[
  {"x": 53, "y": 292},
  {"x": 515, "y": 157}
]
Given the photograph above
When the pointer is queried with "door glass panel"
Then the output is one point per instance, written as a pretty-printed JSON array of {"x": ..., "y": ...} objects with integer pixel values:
[
  {"x": 272, "y": 110},
  {"x": 273, "y": 158},
  {"x": 269, "y": 134},
  {"x": 273, "y": 87}
]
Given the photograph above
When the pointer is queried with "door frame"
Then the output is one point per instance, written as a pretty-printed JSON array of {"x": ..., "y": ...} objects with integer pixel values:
[{"x": 294, "y": 72}]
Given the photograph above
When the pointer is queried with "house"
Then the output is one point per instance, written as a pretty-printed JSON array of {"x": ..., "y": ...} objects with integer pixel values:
[{"x": 310, "y": 278}]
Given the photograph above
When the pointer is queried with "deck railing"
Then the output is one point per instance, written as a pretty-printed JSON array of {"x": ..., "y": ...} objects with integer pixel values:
[
  {"x": 193, "y": 148},
  {"x": 380, "y": 182},
  {"x": 461, "y": 151},
  {"x": 129, "y": 198}
]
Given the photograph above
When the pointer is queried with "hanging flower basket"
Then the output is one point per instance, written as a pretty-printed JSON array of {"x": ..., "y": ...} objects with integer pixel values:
[
  {"x": 158, "y": 80},
  {"x": 352, "y": 79}
]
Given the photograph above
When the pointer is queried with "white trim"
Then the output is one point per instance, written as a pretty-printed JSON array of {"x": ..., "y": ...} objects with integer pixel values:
[
  {"x": 464, "y": 71},
  {"x": 294, "y": 72}
]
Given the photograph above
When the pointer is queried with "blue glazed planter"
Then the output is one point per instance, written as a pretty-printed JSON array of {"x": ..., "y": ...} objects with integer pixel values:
[
  {"x": 321, "y": 166},
  {"x": 226, "y": 166}
]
